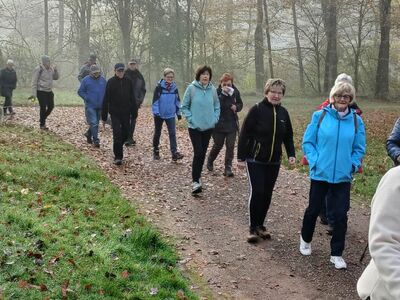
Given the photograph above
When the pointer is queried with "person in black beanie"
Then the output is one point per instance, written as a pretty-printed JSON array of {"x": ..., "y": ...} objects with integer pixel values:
[
  {"x": 139, "y": 88},
  {"x": 120, "y": 103}
]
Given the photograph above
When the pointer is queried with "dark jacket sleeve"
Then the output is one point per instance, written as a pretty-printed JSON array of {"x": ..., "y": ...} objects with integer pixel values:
[
  {"x": 288, "y": 138},
  {"x": 246, "y": 133},
  {"x": 106, "y": 103},
  {"x": 239, "y": 102},
  {"x": 135, "y": 105},
  {"x": 393, "y": 143}
]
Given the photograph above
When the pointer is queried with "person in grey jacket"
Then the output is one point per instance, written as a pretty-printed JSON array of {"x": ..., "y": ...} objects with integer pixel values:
[
  {"x": 84, "y": 70},
  {"x": 42, "y": 88},
  {"x": 393, "y": 143},
  {"x": 8, "y": 83},
  {"x": 381, "y": 279}
]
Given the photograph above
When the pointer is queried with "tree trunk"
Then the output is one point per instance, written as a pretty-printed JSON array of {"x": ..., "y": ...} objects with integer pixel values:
[
  {"x": 179, "y": 39},
  {"x": 330, "y": 24},
  {"x": 382, "y": 73},
  {"x": 46, "y": 27},
  {"x": 271, "y": 67},
  {"x": 259, "y": 48},
  {"x": 125, "y": 24},
  {"x": 84, "y": 17},
  {"x": 228, "y": 62},
  {"x": 188, "y": 74},
  {"x": 298, "y": 47},
  {"x": 357, "y": 53},
  {"x": 61, "y": 25}
]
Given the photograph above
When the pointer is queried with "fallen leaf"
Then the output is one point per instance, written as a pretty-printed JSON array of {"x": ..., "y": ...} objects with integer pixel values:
[
  {"x": 64, "y": 288},
  {"x": 125, "y": 274}
]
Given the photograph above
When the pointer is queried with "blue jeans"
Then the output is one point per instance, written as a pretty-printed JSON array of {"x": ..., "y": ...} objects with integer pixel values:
[
  {"x": 93, "y": 119},
  {"x": 158, "y": 122},
  {"x": 338, "y": 204}
]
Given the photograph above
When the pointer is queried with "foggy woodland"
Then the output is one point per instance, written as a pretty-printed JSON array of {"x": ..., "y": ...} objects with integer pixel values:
[{"x": 305, "y": 42}]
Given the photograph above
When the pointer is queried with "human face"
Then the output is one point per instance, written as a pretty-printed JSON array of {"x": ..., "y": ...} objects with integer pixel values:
[
  {"x": 169, "y": 77},
  {"x": 274, "y": 95},
  {"x": 132, "y": 66},
  {"x": 96, "y": 74},
  {"x": 226, "y": 85},
  {"x": 205, "y": 78},
  {"x": 342, "y": 101},
  {"x": 119, "y": 73}
]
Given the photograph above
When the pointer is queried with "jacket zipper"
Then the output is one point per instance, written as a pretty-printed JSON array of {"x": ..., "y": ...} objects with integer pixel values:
[
  {"x": 337, "y": 145},
  {"x": 273, "y": 135}
]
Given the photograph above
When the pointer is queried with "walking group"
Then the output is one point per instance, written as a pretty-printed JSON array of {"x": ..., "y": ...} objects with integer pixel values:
[{"x": 334, "y": 144}]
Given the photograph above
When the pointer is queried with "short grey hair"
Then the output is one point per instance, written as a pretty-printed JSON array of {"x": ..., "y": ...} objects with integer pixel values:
[
  {"x": 340, "y": 88},
  {"x": 274, "y": 82},
  {"x": 168, "y": 71},
  {"x": 343, "y": 77},
  {"x": 10, "y": 62}
]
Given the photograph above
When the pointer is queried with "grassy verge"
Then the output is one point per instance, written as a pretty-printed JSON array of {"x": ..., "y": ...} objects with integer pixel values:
[{"x": 67, "y": 233}]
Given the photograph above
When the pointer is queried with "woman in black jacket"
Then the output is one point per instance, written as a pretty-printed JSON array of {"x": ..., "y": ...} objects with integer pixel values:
[
  {"x": 227, "y": 126},
  {"x": 8, "y": 82},
  {"x": 265, "y": 128}
]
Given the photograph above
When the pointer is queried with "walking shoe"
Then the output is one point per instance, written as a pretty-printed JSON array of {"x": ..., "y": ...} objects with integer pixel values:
[
  {"x": 252, "y": 237},
  {"x": 305, "y": 248},
  {"x": 261, "y": 231},
  {"x": 97, "y": 144},
  {"x": 228, "y": 171},
  {"x": 177, "y": 156},
  {"x": 117, "y": 161},
  {"x": 43, "y": 127},
  {"x": 210, "y": 165},
  {"x": 88, "y": 137},
  {"x": 196, "y": 187},
  {"x": 130, "y": 142},
  {"x": 156, "y": 154},
  {"x": 339, "y": 262}
]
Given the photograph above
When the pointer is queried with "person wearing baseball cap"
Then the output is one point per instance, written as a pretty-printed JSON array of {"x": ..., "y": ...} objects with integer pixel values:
[{"x": 120, "y": 102}]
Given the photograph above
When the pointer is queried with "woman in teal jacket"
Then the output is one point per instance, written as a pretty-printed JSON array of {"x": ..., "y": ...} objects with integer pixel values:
[
  {"x": 334, "y": 144},
  {"x": 201, "y": 109}
]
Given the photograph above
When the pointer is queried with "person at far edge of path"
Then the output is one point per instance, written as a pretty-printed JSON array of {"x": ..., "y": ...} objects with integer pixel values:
[
  {"x": 334, "y": 143},
  {"x": 84, "y": 70},
  {"x": 228, "y": 123},
  {"x": 201, "y": 109},
  {"x": 8, "y": 83},
  {"x": 393, "y": 143},
  {"x": 266, "y": 127},
  {"x": 92, "y": 90},
  {"x": 119, "y": 101},
  {"x": 166, "y": 105},
  {"x": 381, "y": 278},
  {"x": 42, "y": 86}
]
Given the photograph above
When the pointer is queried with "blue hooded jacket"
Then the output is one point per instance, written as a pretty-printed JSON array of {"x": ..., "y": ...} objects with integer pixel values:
[
  {"x": 335, "y": 148},
  {"x": 166, "y": 103},
  {"x": 92, "y": 91},
  {"x": 201, "y": 106}
]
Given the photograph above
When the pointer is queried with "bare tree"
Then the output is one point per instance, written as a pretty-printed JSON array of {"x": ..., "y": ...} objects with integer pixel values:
[
  {"x": 268, "y": 36},
  {"x": 298, "y": 47},
  {"x": 382, "y": 73},
  {"x": 46, "y": 27},
  {"x": 259, "y": 47},
  {"x": 331, "y": 59},
  {"x": 61, "y": 24}
]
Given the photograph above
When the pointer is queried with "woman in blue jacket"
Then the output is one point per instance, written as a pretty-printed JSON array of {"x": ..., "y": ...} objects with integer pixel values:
[
  {"x": 393, "y": 143},
  {"x": 201, "y": 109},
  {"x": 334, "y": 143},
  {"x": 166, "y": 103}
]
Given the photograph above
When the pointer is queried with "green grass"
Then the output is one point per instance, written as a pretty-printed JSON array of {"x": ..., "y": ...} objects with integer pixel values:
[{"x": 64, "y": 228}]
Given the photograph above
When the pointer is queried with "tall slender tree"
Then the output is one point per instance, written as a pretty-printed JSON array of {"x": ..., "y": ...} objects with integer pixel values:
[
  {"x": 298, "y": 47},
  {"x": 46, "y": 27},
  {"x": 268, "y": 36},
  {"x": 259, "y": 47},
  {"x": 329, "y": 8}
]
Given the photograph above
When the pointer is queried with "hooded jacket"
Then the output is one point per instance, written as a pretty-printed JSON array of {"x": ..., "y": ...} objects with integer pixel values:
[
  {"x": 264, "y": 129},
  {"x": 92, "y": 91},
  {"x": 166, "y": 102},
  {"x": 42, "y": 79},
  {"x": 201, "y": 106},
  {"x": 228, "y": 120},
  {"x": 381, "y": 279},
  {"x": 334, "y": 148},
  {"x": 119, "y": 98}
]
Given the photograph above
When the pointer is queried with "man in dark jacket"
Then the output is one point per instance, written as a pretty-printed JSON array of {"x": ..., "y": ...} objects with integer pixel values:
[
  {"x": 393, "y": 143},
  {"x": 84, "y": 70},
  {"x": 139, "y": 87},
  {"x": 8, "y": 82},
  {"x": 120, "y": 103}
]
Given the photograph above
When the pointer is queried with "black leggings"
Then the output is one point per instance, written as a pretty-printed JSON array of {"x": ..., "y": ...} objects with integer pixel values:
[
  {"x": 46, "y": 103},
  {"x": 200, "y": 141}
]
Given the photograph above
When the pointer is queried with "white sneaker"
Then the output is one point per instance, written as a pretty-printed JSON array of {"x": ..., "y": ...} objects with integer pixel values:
[
  {"x": 339, "y": 262},
  {"x": 196, "y": 187},
  {"x": 305, "y": 248}
]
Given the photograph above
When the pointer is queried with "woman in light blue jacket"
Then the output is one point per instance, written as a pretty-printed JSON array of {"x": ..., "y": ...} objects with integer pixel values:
[
  {"x": 201, "y": 109},
  {"x": 334, "y": 143}
]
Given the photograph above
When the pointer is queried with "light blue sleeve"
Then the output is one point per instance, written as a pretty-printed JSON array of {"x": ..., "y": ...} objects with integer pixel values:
[
  {"x": 185, "y": 108},
  {"x": 217, "y": 105},
  {"x": 359, "y": 145},
  {"x": 309, "y": 144}
]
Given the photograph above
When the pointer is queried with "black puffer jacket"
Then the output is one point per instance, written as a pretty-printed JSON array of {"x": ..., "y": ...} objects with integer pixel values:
[
  {"x": 228, "y": 120},
  {"x": 119, "y": 98},
  {"x": 8, "y": 81},
  {"x": 139, "y": 85},
  {"x": 264, "y": 130}
]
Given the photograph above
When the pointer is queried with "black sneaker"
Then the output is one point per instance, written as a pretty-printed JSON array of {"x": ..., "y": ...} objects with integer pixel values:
[
  {"x": 156, "y": 154},
  {"x": 210, "y": 166},
  {"x": 177, "y": 156},
  {"x": 96, "y": 144},
  {"x": 43, "y": 127},
  {"x": 261, "y": 231},
  {"x": 228, "y": 171},
  {"x": 88, "y": 137},
  {"x": 117, "y": 162}
]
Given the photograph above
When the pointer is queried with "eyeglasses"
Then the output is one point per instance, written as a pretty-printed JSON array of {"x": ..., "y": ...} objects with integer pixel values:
[
  {"x": 120, "y": 71},
  {"x": 345, "y": 97}
]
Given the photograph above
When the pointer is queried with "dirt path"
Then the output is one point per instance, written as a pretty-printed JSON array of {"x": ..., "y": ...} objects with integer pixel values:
[{"x": 210, "y": 231}]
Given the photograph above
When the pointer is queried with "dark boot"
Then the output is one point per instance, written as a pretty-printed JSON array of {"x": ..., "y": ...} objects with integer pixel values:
[
  {"x": 156, "y": 154},
  {"x": 210, "y": 165},
  {"x": 228, "y": 171}
]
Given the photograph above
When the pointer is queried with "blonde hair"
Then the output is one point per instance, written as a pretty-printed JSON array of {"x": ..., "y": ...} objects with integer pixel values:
[
  {"x": 340, "y": 88},
  {"x": 274, "y": 82},
  {"x": 168, "y": 71}
]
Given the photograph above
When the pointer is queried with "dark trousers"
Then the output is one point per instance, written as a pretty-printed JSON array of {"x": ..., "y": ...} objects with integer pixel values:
[
  {"x": 46, "y": 103},
  {"x": 158, "y": 123},
  {"x": 8, "y": 104},
  {"x": 200, "y": 141},
  {"x": 262, "y": 178},
  {"x": 338, "y": 204},
  {"x": 120, "y": 128},
  {"x": 132, "y": 126},
  {"x": 220, "y": 138}
]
